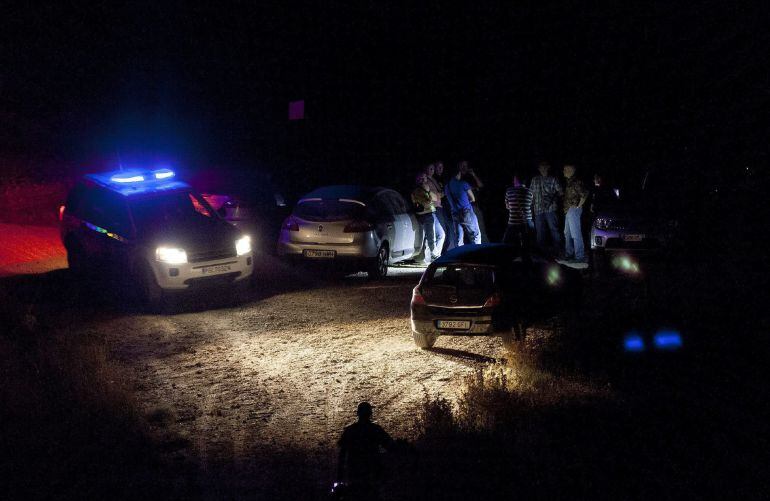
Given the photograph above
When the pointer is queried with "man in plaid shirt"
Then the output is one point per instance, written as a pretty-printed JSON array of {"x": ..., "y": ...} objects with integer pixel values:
[{"x": 546, "y": 191}]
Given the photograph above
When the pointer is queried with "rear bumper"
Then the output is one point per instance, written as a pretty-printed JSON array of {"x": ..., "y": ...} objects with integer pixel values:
[
  {"x": 614, "y": 240},
  {"x": 363, "y": 249},
  {"x": 481, "y": 324}
]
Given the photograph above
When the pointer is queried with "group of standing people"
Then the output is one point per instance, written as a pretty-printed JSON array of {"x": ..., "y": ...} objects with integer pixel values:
[
  {"x": 446, "y": 208},
  {"x": 535, "y": 208}
]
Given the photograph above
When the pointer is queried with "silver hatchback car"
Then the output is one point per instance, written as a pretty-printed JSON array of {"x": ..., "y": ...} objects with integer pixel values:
[{"x": 356, "y": 227}]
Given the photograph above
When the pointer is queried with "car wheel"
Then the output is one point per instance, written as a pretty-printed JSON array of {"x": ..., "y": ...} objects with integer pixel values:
[
  {"x": 379, "y": 265},
  {"x": 150, "y": 293},
  {"x": 424, "y": 341}
]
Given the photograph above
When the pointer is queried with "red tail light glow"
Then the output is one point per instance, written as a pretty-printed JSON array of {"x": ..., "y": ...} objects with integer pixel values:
[
  {"x": 290, "y": 224},
  {"x": 61, "y": 213},
  {"x": 417, "y": 297},
  {"x": 358, "y": 227},
  {"x": 493, "y": 300}
]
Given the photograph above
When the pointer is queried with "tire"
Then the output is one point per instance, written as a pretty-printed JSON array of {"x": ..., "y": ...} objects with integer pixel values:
[
  {"x": 424, "y": 341},
  {"x": 378, "y": 268},
  {"x": 150, "y": 293}
]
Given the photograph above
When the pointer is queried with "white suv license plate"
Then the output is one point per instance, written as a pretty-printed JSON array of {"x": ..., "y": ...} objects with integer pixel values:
[
  {"x": 454, "y": 324},
  {"x": 323, "y": 254},
  {"x": 633, "y": 238},
  {"x": 217, "y": 268}
]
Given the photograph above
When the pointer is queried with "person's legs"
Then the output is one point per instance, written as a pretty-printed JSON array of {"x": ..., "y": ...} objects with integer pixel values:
[
  {"x": 569, "y": 250},
  {"x": 458, "y": 229},
  {"x": 440, "y": 235},
  {"x": 553, "y": 224},
  {"x": 540, "y": 228},
  {"x": 573, "y": 221},
  {"x": 509, "y": 235},
  {"x": 480, "y": 223},
  {"x": 526, "y": 240},
  {"x": 427, "y": 221},
  {"x": 449, "y": 226},
  {"x": 471, "y": 226}
]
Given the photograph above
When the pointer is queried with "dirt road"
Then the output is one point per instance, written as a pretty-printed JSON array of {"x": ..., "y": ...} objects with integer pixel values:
[{"x": 285, "y": 372}]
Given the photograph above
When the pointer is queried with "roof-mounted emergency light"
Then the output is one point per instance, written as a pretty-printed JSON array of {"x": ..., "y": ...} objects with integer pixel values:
[
  {"x": 127, "y": 178},
  {"x": 163, "y": 173}
]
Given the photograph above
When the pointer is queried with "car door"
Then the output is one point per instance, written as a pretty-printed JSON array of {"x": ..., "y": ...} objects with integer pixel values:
[
  {"x": 401, "y": 224},
  {"x": 381, "y": 213}
]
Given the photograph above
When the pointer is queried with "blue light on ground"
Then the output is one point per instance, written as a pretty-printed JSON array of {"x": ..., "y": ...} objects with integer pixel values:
[
  {"x": 633, "y": 342},
  {"x": 667, "y": 340}
]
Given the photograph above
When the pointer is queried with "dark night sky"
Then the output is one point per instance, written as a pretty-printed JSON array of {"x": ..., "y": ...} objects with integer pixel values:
[{"x": 619, "y": 87}]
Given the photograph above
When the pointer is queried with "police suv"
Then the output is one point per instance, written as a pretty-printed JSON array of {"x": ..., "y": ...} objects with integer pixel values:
[{"x": 147, "y": 226}]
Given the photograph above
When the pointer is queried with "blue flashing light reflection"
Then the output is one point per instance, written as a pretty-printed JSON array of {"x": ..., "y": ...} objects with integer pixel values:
[
  {"x": 633, "y": 342},
  {"x": 668, "y": 340}
]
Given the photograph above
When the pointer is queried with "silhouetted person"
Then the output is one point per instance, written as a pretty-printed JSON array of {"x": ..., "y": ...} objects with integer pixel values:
[
  {"x": 518, "y": 201},
  {"x": 359, "y": 460}
]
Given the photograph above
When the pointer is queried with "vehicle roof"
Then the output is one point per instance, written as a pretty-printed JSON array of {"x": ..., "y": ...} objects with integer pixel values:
[
  {"x": 484, "y": 254},
  {"x": 345, "y": 191},
  {"x": 150, "y": 185}
]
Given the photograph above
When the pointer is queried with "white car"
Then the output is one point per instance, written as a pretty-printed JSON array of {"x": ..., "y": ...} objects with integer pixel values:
[{"x": 357, "y": 227}]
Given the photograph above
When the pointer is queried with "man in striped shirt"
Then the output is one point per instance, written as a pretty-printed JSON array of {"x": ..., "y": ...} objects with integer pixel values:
[{"x": 518, "y": 201}]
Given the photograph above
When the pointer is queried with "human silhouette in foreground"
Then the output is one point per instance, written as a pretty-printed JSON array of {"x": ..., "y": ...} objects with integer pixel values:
[{"x": 359, "y": 470}]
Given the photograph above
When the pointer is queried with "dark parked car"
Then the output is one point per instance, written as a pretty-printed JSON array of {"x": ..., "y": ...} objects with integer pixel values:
[{"x": 488, "y": 289}]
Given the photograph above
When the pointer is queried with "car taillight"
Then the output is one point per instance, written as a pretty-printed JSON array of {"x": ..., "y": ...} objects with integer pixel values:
[
  {"x": 417, "y": 296},
  {"x": 493, "y": 300},
  {"x": 61, "y": 213},
  {"x": 358, "y": 227},
  {"x": 290, "y": 224}
]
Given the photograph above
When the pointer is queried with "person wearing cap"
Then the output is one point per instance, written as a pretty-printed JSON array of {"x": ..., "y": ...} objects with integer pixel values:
[{"x": 360, "y": 444}]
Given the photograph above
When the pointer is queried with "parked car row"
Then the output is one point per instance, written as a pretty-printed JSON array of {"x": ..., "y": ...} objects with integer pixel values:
[{"x": 161, "y": 236}]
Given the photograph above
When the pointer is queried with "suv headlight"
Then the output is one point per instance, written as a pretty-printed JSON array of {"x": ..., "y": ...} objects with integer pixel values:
[
  {"x": 171, "y": 255},
  {"x": 603, "y": 223},
  {"x": 243, "y": 245}
]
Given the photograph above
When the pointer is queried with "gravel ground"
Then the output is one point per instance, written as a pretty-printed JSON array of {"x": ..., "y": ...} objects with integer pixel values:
[{"x": 285, "y": 372}]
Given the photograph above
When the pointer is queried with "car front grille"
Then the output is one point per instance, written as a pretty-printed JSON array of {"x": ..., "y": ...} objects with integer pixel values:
[{"x": 211, "y": 255}]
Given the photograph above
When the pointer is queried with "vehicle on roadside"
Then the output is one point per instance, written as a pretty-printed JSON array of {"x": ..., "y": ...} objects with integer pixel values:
[
  {"x": 247, "y": 199},
  {"x": 354, "y": 227},
  {"x": 637, "y": 220},
  {"x": 488, "y": 289},
  {"x": 154, "y": 232}
]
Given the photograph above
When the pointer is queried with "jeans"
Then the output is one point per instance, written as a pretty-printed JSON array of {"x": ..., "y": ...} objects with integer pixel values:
[
  {"x": 541, "y": 221},
  {"x": 482, "y": 225},
  {"x": 465, "y": 222},
  {"x": 519, "y": 235},
  {"x": 573, "y": 236},
  {"x": 442, "y": 228},
  {"x": 449, "y": 226},
  {"x": 429, "y": 223}
]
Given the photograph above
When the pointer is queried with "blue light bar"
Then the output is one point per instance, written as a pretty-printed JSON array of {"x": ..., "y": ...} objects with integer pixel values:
[
  {"x": 668, "y": 340},
  {"x": 164, "y": 173},
  {"x": 127, "y": 178},
  {"x": 633, "y": 342}
]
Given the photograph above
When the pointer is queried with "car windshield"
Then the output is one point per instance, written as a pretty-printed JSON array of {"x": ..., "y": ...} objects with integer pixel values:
[
  {"x": 463, "y": 276},
  {"x": 168, "y": 209},
  {"x": 328, "y": 210}
]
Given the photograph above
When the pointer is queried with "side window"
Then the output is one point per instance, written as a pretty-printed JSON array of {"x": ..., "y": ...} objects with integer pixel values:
[
  {"x": 108, "y": 211},
  {"x": 201, "y": 206},
  {"x": 379, "y": 208},
  {"x": 397, "y": 202},
  {"x": 75, "y": 199}
]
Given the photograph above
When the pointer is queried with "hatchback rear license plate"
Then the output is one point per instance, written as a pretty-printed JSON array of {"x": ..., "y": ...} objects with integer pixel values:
[
  {"x": 323, "y": 254},
  {"x": 454, "y": 324},
  {"x": 633, "y": 238},
  {"x": 217, "y": 268}
]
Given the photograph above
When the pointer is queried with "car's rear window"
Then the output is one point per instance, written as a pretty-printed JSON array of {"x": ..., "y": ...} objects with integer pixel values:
[
  {"x": 463, "y": 276},
  {"x": 328, "y": 210}
]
